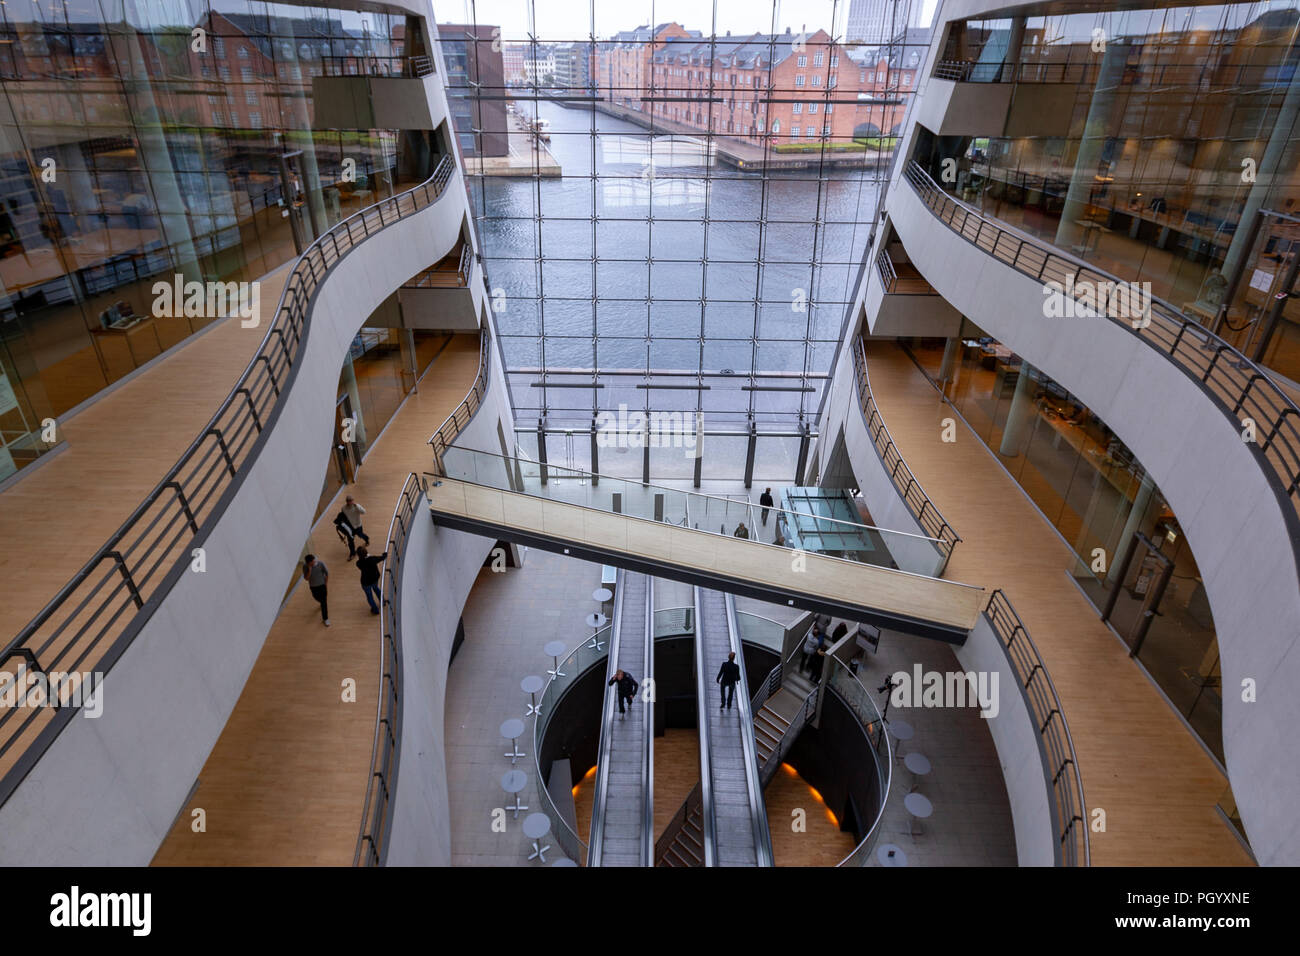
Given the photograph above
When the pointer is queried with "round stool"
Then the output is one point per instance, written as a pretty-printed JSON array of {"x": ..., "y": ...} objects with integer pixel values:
[
  {"x": 511, "y": 730},
  {"x": 596, "y": 621},
  {"x": 513, "y": 782},
  {"x": 564, "y": 861},
  {"x": 890, "y": 855},
  {"x": 530, "y": 685},
  {"x": 918, "y": 765},
  {"x": 902, "y": 732},
  {"x": 536, "y": 826},
  {"x": 553, "y": 650},
  {"x": 920, "y": 807}
]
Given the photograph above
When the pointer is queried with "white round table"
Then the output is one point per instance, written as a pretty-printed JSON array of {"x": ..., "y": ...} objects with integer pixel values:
[
  {"x": 536, "y": 826},
  {"x": 596, "y": 621},
  {"x": 512, "y": 729},
  {"x": 513, "y": 782},
  {"x": 919, "y": 806},
  {"x": 902, "y": 732},
  {"x": 917, "y": 764},
  {"x": 553, "y": 650},
  {"x": 890, "y": 855},
  {"x": 530, "y": 685},
  {"x": 601, "y": 595}
]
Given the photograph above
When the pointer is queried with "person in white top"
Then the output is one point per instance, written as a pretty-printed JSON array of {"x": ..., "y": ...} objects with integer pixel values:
[{"x": 353, "y": 512}]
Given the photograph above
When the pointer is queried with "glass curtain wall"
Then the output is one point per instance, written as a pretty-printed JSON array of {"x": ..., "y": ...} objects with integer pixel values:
[
  {"x": 1152, "y": 139},
  {"x": 1094, "y": 491},
  {"x": 674, "y": 222},
  {"x": 142, "y": 140}
]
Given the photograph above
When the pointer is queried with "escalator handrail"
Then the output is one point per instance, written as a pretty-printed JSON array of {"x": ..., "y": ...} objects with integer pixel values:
[
  {"x": 709, "y": 821},
  {"x": 648, "y": 762},
  {"x": 753, "y": 785},
  {"x": 597, "y": 834}
]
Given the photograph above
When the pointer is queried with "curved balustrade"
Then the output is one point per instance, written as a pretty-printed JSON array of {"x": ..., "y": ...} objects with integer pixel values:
[
  {"x": 94, "y": 618},
  {"x": 1241, "y": 389},
  {"x": 1060, "y": 765},
  {"x": 918, "y": 502},
  {"x": 455, "y": 423},
  {"x": 845, "y": 684},
  {"x": 375, "y": 818}
]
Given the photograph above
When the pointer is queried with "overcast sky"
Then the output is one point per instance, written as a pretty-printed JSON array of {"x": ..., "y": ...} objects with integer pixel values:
[{"x": 572, "y": 19}]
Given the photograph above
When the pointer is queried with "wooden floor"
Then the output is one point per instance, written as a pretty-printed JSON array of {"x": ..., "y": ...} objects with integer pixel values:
[
  {"x": 118, "y": 449},
  {"x": 1140, "y": 765},
  {"x": 286, "y": 780}
]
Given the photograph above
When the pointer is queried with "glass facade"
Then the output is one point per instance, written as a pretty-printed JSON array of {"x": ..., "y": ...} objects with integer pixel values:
[
  {"x": 1133, "y": 561},
  {"x": 679, "y": 225},
  {"x": 142, "y": 141},
  {"x": 1160, "y": 145}
]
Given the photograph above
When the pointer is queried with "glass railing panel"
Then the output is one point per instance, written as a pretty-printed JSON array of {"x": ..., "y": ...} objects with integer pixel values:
[
  {"x": 761, "y": 631},
  {"x": 811, "y": 530},
  {"x": 859, "y": 700}
]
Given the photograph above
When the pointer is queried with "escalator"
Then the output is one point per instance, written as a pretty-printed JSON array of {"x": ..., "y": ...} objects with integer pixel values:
[{"x": 622, "y": 817}]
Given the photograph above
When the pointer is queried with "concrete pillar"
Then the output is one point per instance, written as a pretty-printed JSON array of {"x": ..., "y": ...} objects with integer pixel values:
[
  {"x": 1104, "y": 114},
  {"x": 1131, "y": 525},
  {"x": 1020, "y": 416},
  {"x": 1269, "y": 166}
]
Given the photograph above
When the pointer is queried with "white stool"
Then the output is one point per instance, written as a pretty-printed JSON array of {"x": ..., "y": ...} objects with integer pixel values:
[
  {"x": 920, "y": 807},
  {"x": 902, "y": 732},
  {"x": 918, "y": 765},
  {"x": 553, "y": 650},
  {"x": 513, "y": 782},
  {"x": 511, "y": 729},
  {"x": 596, "y": 621},
  {"x": 530, "y": 685},
  {"x": 536, "y": 826},
  {"x": 890, "y": 855}
]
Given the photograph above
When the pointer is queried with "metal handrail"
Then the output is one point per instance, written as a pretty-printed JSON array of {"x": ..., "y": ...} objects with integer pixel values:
[
  {"x": 1242, "y": 389},
  {"x": 454, "y": 423},
  {"x": 737, "y": 500},
  {"x": 909, "y": 489},
  {"x": 466, "y": 264},
  {"x": 376, "y": 822},
  {"x": 707, "y": 812},
  {"x": 648, "y": 703},
  {"x": 596, "y": 840},
  {"x": 753, "y": 781},
  {"x": 893, "y": 284},
  {"x": 127, "y": 579},
  {"x": 1060, "y": 764},
  {"x": 1088, "y": 69}
]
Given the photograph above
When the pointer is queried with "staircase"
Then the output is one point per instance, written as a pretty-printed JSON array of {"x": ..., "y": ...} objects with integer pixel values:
[
  {"x": 687, "y": 846},
  {"x": 772, "y": 721}
]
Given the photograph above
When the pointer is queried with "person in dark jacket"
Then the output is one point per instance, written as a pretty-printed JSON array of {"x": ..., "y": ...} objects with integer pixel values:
[
  {"x": 765, "y": 499},
  {"x": 728, "y": 675},
  {"x": 369, "y": 568},
  {"x": 346, "y": 534},
  {"x": 317, "y": 576},
  {"x": 625, "y": 690}
]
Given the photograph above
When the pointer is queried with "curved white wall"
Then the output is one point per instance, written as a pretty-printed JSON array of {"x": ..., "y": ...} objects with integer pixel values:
[
  {"x": 107, "y": 790},
  {"x": 1212, "y": 480},
  {"x": 439, "y": 567}
]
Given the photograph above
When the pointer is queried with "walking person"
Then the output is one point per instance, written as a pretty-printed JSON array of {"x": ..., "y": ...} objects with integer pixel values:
[
  {"x": 811, "y": 645},
  {"x": 765, "y": 499},
  {"x": 317, "y": 576},
  {"x": 353, "y": 512},
  {"x": 741, "y": 531},
  {"x": 369, "y": 568},
  {"x": 626, "y": 690},
  {"x": 345, "y": 533},
  {"x": 728, "y": 675}
]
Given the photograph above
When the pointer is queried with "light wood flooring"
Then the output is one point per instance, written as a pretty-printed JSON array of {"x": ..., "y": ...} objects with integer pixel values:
[{"x": 1139, "y": 763}]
